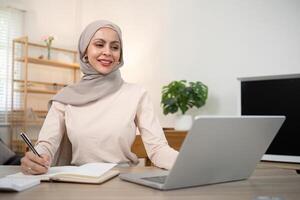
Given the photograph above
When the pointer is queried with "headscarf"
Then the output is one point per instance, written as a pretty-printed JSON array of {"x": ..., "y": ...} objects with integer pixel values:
[{"x": 93, "y": 85}]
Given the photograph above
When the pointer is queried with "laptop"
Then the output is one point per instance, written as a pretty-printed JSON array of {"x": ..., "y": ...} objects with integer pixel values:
[{"x": 216, "y": 149}]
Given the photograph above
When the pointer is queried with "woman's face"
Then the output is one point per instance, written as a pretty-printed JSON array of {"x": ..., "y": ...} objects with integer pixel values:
[{"x": 104, "y": 50}]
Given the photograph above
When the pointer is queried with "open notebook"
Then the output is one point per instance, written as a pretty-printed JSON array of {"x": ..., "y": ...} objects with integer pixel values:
[{"x": 89, "y": 173}]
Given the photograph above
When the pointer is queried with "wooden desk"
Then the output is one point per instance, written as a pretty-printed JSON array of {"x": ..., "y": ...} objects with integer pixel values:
[
  {"x": 266, "y": 181},
  {"x": 175, "y": 140}
]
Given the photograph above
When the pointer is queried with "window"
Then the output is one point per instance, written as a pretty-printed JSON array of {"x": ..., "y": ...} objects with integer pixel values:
[{"x": 11, "y": 26}]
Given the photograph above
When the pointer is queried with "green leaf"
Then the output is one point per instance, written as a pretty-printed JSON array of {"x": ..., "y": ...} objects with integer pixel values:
[{"x": 182, "y": 95}]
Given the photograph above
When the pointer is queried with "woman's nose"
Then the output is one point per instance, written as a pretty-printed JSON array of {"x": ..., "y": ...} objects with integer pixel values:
[{"x": 106, "y": 51}]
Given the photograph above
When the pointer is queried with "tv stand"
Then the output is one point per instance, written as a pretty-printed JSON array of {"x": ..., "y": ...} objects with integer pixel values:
[{"x": 281, "y": 165}]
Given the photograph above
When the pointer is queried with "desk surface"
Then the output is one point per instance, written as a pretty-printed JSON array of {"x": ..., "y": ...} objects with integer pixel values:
[{"x": 265, "y": 181}]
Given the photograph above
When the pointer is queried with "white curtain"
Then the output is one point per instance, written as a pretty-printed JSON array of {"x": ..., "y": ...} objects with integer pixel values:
[{"x": 11, "y": 27}]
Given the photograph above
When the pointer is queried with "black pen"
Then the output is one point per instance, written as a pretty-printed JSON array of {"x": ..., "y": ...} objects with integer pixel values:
[{"x": 29, "y": 144}]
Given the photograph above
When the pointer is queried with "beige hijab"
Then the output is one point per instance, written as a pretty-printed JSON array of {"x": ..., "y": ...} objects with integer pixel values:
[{"x": 93, "y": 85}]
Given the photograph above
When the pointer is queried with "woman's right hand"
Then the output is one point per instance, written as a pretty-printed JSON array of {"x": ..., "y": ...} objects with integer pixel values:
[{"x": 33, "y": 164}]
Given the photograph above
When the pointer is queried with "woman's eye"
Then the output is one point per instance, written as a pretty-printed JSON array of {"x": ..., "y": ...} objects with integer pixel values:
[
  {"x": 99, "y": 45},
  {"x": 115, "y": 48}
]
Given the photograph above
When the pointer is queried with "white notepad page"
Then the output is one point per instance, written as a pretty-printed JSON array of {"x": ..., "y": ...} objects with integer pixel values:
[{"x": 90, "y": 169}]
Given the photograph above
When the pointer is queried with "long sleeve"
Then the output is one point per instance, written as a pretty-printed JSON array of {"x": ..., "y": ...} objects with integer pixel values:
[
  {"x": 52, "y": 130},
  {"x": 157, "y": 148}
]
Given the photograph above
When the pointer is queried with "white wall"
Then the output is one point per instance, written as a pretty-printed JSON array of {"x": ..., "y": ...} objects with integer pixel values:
[{"x": 212, "y": 41}]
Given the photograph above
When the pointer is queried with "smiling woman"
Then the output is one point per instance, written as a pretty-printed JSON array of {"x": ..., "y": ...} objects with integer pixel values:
[
  {"x": 104, "y": 51},
  {"x": 100, "y": 114}
]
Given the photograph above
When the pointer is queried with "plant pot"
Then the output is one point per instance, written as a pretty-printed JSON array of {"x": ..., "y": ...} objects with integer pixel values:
[{"x": 183, "y": 122}]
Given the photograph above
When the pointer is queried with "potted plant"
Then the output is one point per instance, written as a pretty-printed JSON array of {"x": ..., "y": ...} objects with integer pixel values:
[
  {"x": 48, "y": 41},
  {"x": 181, "y": 96}
]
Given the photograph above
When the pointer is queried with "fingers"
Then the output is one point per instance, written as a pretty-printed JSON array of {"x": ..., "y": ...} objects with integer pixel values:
[
  {"x": 25, "y": 169},
  {"x": 33, "y": 164},
  {"x": 46, "y": 159},
  {"x": 35, "y": 158},
  {"x": 25, "y": 165}
]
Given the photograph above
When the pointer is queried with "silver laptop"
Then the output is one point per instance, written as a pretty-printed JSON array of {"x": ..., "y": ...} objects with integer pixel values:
[{"x": 216, "y": 149}]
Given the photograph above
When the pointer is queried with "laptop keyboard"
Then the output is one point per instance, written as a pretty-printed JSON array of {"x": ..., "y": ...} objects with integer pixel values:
[{"x": 157, "y": 179}]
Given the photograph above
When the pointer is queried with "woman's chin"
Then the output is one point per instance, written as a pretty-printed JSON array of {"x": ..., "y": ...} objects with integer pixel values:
[{"x": 104, "y": 70}]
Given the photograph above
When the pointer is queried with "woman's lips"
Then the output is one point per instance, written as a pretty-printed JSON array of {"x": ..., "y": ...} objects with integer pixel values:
[{"x": 105, "y": 62}]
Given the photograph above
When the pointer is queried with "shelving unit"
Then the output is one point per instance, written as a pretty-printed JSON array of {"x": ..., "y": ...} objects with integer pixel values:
[{"x": 27, "y": 118}]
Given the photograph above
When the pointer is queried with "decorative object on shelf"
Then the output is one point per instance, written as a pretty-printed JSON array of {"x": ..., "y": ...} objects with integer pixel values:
[
  {"x": 183, "y": 95},
  {"x": 48, "y": 40},
  {"x": 55, "y": 86}
]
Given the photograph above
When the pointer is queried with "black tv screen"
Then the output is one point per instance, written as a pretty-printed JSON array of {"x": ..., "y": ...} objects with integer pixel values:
[{"x": 276, "y": 96}]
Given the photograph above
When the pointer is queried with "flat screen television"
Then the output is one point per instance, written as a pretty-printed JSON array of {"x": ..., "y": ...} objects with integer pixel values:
[{"x": 275, "y": 95}]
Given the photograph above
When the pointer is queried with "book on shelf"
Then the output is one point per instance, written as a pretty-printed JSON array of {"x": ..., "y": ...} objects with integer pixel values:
[{"x": 95, "y": 173}]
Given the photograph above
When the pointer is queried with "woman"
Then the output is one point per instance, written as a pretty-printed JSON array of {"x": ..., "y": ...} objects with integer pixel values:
[{"x": 100, "y": 114}]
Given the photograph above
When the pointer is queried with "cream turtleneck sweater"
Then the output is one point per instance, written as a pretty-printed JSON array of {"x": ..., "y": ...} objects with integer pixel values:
[{"x": 104, "y": 130}]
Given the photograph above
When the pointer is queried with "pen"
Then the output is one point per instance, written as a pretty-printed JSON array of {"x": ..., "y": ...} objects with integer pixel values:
[{"x": 29, "y": 144}]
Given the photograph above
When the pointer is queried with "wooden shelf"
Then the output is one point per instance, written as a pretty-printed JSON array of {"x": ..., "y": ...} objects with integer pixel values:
[
  {"x": 41, "y": 83},
  {"x": 23, "y": 41},
  {"x": 28, "y": 115},
  {"x": 32, "y": 118},
  {"x": 41, "y": 114},
  {"x": 28, "y": 122},
  {"x": 52, "y": 63},
  {"x": 37, "y": 91},
  {"x": 36, "y": 111}
]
